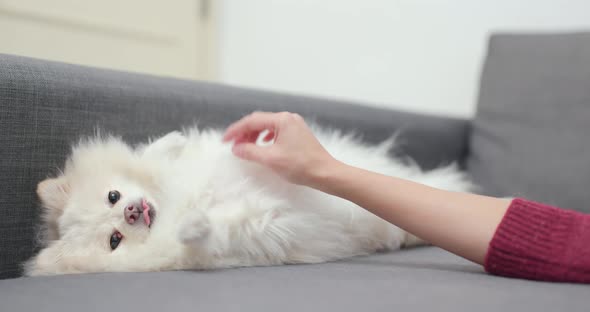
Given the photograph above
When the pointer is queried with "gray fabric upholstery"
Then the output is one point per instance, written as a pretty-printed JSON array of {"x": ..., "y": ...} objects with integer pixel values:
[
  {"x": 424, "y": 279},
  {"x": 45, "y": 106},
  {"x": 531, "y": 134}
]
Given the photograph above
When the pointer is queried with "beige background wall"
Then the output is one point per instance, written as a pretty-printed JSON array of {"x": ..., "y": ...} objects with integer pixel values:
[{"x": 170, "y": 38}]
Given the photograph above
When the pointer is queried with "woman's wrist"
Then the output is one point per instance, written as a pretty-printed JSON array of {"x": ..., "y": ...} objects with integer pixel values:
[{"x": 324, "y": 174}]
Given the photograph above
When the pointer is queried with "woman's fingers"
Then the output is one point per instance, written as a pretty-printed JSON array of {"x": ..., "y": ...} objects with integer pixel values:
[
  {"x": 294, "y": 153},
  {"x": 269, "y": 136},
  {"x": 253, "y": 123},
  {"x": 246, "y": 138}
]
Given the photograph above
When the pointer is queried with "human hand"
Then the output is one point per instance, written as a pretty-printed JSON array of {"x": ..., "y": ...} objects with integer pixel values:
[{"x": 295, "y": 154}]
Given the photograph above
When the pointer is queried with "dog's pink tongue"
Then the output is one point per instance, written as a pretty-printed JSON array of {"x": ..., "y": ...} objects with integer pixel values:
[{"x": 146, "y": 215}]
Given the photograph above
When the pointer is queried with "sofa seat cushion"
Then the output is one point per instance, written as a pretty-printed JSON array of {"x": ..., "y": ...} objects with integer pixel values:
[{"x": 420, "y": 279}]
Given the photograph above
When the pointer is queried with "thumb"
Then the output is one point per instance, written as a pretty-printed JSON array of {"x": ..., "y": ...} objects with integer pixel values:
[{"x": 250, "y": 151}]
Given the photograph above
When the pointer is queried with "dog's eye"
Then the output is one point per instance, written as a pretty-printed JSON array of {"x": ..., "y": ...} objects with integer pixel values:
[
  {"x": 116, "y": 238},
  {"x": 114, "y": 197}
]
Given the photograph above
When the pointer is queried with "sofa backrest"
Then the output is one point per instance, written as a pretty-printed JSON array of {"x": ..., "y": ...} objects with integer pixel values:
[
  {"x": 531, "y": 134},
  {"x": 47, "y": 106}
]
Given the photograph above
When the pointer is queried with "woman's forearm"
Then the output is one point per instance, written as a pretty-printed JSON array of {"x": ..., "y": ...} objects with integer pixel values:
[{"x": 461, "y": 223}]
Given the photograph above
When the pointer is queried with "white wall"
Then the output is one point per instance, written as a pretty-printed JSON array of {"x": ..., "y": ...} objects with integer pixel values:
[{"x": 420, "y": 55}]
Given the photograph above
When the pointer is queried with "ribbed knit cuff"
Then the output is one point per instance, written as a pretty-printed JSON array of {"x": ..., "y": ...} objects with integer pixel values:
[{"x": 541, "y": 242}]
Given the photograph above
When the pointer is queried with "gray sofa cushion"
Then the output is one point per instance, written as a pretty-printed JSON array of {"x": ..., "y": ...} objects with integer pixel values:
[
  {"x": 45, "y": 106},
  {"x": 531, "y": 135},
  {"x": 423, "y": 279}
]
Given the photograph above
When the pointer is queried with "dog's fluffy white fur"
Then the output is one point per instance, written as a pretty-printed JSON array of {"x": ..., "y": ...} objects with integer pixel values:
[{"x": 212, "y": 210}]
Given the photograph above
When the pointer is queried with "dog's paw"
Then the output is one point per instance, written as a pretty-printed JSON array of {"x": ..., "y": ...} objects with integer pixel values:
[
  {"x": 169, "y": 145},
  {"x": 195, "y": 230}
]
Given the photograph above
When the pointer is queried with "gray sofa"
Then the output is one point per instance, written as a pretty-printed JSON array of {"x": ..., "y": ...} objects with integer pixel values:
[{"x": 529, "y": 138}]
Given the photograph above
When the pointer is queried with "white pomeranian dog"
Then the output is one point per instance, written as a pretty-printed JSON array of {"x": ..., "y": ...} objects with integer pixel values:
[{"x": 184, "y": 201}]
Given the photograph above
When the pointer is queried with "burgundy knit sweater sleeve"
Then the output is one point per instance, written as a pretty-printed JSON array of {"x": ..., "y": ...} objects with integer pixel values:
[{"x": 541, "y": 242}]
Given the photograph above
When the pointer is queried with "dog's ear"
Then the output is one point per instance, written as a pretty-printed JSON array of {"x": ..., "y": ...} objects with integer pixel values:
[
  {"x": 47, "y": 262},
  {"x": 54, "y": 193}
]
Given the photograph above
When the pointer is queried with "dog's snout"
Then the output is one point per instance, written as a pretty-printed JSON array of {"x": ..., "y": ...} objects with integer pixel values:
[
  {"x": 132, "y": 213},
  {"x": 140, "y": 209}
]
